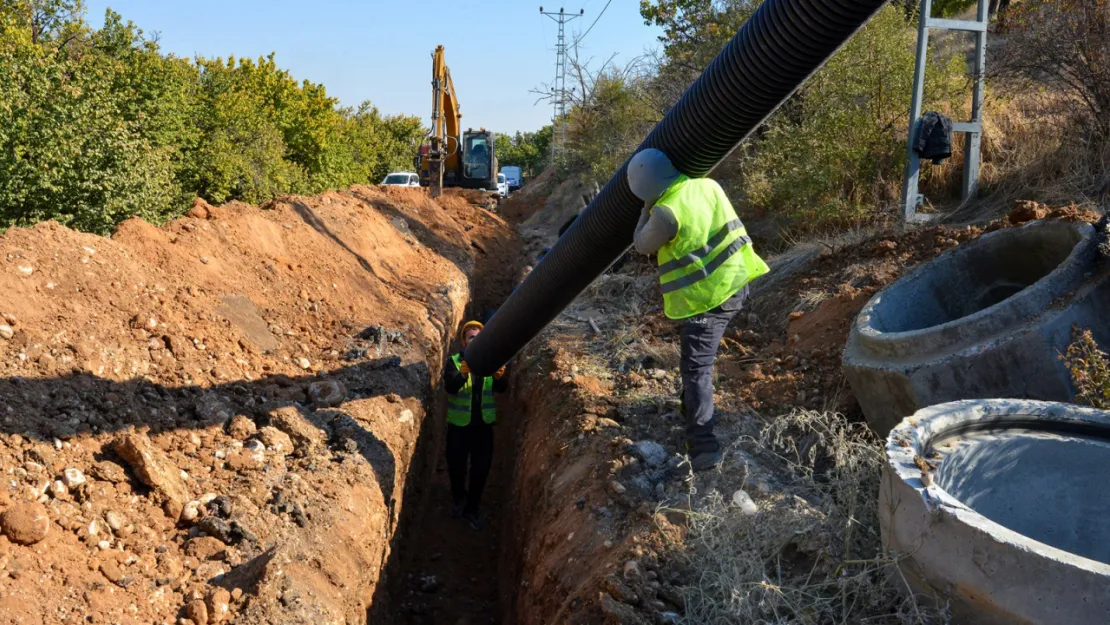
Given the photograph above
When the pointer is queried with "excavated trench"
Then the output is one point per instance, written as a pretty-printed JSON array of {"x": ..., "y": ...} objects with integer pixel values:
[{"x": 440, "y": 570}]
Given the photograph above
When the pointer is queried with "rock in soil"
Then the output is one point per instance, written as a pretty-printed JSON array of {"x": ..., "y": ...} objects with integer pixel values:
[
  {"x": 327, "y": 393},
  {"x": 650, "y": 452},
  {"x": 307, "y": 438},
  {"x": 154, "y": 469},
  {"x": 25, "y": 523},
  {"x": 618, "y": 613},
  {"x": 197, "y": 612},
  {"x": 241, "y": 427}
]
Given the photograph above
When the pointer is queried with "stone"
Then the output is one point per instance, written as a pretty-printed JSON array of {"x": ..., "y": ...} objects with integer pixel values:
[
  {"x": 216, "y": 528},
  {"x": 219, "y": 605},
  {"x": 114, "y": 520},
  {"x": 327, "y": 393},
  {"x": 197, "y": 611},
  {"x": 73, "y": 478},
  {"x": 743, "y": 500},
  {"x": 650, "y": 452},
  {"x": 154, "y": 469},
  {"x": 199, "y": 209},
  {"x": 25, "y": 523},
  {"x": 631, "y": 570},
  {"x": 59, "y": 489},
  {"x": 109, "y": 472},
  {"x": 275, "y": 440},
  {"x": 617, "y": 487},
  {"x": 205, "y": 548},
  {"x": 191, "y": 512},
  {"x": 6, "y": 331},
  {"x": 241, "y": 427},
  {"x": 304, "y": 363},
  {"x": 115, "y": 573},
  {"x": 619, "y": 613},
  {"x": 306, "y": 436}
]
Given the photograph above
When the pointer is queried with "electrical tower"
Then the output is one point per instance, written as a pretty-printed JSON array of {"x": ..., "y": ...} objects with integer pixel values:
[{"x": 559, "y": 93}]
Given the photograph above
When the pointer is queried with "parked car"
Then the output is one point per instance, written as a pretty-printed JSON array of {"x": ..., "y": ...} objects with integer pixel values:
[
  {"x": 401, "y": 179},
  {"x": 513, "y": 176},
  {"x": 502, "y": 186}
]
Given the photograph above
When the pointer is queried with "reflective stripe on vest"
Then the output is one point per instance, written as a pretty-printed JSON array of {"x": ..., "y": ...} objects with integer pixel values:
[
  {"x": 711, "y": 257},
  {"x": 459, "y": 404}
]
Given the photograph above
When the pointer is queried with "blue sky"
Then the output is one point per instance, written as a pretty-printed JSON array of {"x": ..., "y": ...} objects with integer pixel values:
[{"x": 498, "y": 50}]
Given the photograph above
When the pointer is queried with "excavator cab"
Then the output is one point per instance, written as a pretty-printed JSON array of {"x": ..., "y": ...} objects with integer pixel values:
[{"x": 479, "y": 162}]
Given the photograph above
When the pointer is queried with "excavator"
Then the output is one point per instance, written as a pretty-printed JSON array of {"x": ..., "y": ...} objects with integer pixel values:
[{"x": 447, "y": 156}]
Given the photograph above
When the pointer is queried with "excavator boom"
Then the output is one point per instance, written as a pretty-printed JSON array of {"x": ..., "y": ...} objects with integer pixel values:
[{"x": 451, "y": 157}]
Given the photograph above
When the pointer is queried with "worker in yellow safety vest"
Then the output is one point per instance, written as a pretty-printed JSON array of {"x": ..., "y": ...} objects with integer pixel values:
[
  {"x": 706, "y": 261},
  {"x": 471, "y": 413}
]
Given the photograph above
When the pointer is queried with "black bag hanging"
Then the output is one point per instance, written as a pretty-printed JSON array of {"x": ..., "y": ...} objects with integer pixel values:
[{"x": 934, "y": 137}]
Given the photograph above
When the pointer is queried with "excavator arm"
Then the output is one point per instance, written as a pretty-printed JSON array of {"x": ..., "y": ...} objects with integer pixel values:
[{"x": 446, "y": 139}]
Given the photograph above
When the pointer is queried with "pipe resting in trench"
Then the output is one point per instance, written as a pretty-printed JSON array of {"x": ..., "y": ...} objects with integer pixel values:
[{"x": 779, "y": 47}]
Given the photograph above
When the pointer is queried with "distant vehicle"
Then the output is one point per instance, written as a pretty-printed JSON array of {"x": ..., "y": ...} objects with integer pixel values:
[
  {"x": 402, "y": 179},
  {"x": 502, "y": 186},
  {"x": 514, "y": 176}
]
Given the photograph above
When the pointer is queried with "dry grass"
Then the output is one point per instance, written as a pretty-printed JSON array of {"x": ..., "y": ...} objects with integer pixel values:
[
  {"x": 1034, "y": 148},
  {"x": 1090, "y": 370},
  {"x": 812, "y": 554}
]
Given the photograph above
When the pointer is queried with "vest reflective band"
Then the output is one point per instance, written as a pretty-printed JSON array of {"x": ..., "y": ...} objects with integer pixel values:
[
  {"x": 458, "y": 405},
  {"x": 711, "y": 257}
]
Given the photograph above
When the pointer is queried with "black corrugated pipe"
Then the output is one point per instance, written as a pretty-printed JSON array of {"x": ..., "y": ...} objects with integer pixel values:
[{"x": 779, "y": 47}]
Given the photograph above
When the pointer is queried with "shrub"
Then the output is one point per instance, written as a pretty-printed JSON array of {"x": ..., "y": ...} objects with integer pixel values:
[{"x": 1090, "y": 370}]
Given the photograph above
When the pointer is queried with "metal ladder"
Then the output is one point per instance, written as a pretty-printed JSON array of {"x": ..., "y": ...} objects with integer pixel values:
[{"x": 911, "y": 198}]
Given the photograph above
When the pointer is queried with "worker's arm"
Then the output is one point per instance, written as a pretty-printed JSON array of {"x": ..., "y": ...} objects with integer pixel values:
[
  {"x": 453, "y": 379},
  {"x": 656, "y": 228}
]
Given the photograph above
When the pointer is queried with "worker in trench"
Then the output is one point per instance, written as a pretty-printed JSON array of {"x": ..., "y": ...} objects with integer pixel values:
[
  {"x": 706, "y": 262},
  {"x": 471, "y": 414}
]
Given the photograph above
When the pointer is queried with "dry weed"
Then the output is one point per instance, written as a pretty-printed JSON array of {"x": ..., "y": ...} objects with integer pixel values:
[
  {"x": 812, "y": 554},
  {"x": 1090, "y": 370}
]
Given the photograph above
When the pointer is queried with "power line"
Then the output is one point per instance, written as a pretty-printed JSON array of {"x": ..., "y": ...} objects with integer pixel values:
[
  {"x": 559, "y": 93},
  {"x": 583, "y": 35}
]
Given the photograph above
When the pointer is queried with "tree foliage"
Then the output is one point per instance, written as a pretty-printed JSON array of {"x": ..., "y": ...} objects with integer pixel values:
[
  {"x": 1064, "y": 44},
  {"x": 530, "y": 151},
  {"x": 835, "y": 151},
  {"x": 98, "y": 125}
]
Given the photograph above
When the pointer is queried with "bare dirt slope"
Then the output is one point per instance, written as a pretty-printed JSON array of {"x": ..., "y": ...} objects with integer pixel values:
[{"x": 214, "y": 420}]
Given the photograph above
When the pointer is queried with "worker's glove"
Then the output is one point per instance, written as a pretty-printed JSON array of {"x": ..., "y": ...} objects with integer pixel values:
[
  {"x": 499, "y": 374},
  {"x": 464, "y": 368}
]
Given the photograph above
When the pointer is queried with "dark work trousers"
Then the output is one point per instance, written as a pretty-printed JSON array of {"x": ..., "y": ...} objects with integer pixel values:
[
  {"x": 473, "y": 442},
  {"x": 701, "y": 336}
]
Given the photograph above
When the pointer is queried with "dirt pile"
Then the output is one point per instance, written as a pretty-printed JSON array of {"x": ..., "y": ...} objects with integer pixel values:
[{"x": 214, "y": 420}]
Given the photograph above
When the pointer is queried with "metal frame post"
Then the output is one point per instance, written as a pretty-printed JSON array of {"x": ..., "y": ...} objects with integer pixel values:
[
  {"x": 974, "y": 139},
  {"x": 911, "y": 197}
]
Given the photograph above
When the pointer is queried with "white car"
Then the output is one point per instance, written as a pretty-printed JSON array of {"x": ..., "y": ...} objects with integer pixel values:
[
  {"x": 502, "y": 185},
  {"x": 401, "y": 179}
]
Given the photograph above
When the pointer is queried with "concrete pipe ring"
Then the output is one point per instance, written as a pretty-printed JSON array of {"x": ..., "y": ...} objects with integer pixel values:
[
  {"x": 999, "y": 506},
  {"x": 986, "y": 319}
]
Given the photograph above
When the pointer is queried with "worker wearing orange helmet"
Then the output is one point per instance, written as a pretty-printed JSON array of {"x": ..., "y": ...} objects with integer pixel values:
[{"x": 471, "y": 414}]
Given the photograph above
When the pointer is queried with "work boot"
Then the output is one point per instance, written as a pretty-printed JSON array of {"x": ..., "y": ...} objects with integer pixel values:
[
  {"x": 457, "y": 508},
  {"x": 474, "y": 520},
  {"x": 705, "y": 460}
]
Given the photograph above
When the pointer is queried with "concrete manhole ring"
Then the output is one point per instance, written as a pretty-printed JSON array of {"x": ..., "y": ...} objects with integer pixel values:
[
  {"x": 986, "y": 319},
  {"x": 1012, "y": 524}
]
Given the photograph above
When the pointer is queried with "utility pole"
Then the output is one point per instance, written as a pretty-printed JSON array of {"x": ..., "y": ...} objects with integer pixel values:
[{"x": 559, "y": 93}]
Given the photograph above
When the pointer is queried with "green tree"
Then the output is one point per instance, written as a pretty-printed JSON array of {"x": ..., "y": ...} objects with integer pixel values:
[
  {"x": 97, "y": 125},
  {"x": 531, "y": 151},
  {"x": 834, "y": 153}
]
